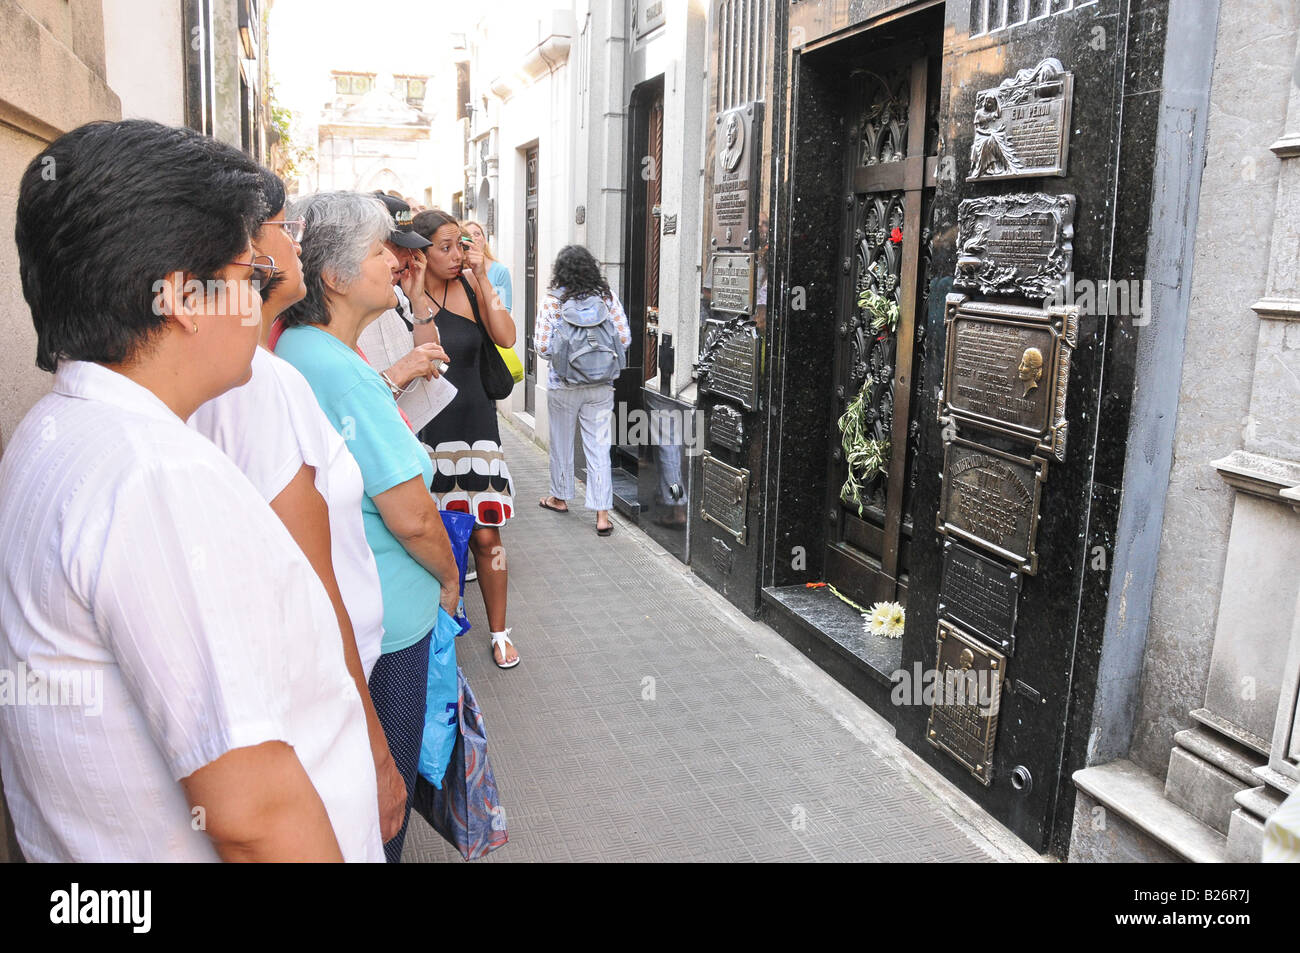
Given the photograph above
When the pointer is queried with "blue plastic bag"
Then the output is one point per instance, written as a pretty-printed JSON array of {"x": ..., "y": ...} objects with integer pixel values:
[
  {"x": 466, "y": 809},
  {"x": 459, "y": 527},
  {"x": 442, "y": 708}
]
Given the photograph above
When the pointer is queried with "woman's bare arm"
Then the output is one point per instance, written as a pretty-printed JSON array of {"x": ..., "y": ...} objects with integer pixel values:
[{"x": 304, "y": 513}]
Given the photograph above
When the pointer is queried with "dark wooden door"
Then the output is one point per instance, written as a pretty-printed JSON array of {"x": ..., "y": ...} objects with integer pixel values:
[
  {"x": 889, "y": 184},
  {"x": 530, "y": 282}
]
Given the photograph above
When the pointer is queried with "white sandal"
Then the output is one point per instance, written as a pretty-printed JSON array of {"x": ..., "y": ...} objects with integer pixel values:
[{"x": 501, "y": 640}]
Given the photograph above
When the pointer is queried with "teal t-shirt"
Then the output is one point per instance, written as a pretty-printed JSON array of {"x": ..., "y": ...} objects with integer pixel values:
[
  {"x": 361, "y": 408},
  {"x": 499, "y": 278}
]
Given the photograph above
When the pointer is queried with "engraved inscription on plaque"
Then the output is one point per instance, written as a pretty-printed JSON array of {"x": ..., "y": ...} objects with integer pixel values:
[
  {"x": 729, "y": 365},
  {"x": 1007, "y": 369},
  {"x": 726, "y": 489},
  {"x": 726, "y": 428},
  {"x": 968, "y": 692},
  {"x": 980, "y": 595},
  {"x": 733, "y": 282},
  {"x": 1015, "y": 244},
  {"x": 737, "y": 143},
  {"x": 991, "y": 499},
  {"x": 1022, "y": 128}
]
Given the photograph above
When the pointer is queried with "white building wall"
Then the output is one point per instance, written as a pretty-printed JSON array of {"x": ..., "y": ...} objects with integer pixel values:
[
  {"x": 143, "y": 42},
  {"x": 575, "y": 110}
]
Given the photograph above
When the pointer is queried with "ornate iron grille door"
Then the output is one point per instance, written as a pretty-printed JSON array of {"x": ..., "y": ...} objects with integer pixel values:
[{"x": 889, "y": 183}]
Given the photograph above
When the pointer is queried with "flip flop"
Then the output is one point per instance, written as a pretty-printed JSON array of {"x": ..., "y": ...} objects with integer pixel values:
[
  {"x": 502, "y": 639},
  {"x": 554, "y": 509},
  {"x": 606, "y": 531}
]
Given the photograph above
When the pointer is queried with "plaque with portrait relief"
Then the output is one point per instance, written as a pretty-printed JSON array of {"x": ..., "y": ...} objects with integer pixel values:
[
  {"x": 737, "y": 144},
  {"x": 967, "y": 699},
  {"x": 1007, "y": 369},
  {"x": 991, "y": 499}
]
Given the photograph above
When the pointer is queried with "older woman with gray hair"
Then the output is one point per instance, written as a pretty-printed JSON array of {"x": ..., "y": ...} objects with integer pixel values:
[{"x": 349, "y": 278}]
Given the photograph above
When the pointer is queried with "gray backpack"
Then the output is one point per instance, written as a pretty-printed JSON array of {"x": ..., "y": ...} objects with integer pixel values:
[{"x": 585, "y": 348}]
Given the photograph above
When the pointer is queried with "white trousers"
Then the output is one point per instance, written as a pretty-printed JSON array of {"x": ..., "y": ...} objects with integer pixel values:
[{"x": 592, "y": 406}]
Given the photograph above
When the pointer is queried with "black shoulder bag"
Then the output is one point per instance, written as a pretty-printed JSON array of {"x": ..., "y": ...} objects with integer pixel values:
[{"x": 498, "y": 382}]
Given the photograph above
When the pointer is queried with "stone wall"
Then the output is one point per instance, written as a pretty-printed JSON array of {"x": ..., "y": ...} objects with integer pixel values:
[
  {"x": 53, "y": 80},
  {"x": 1229, "y": 273}
]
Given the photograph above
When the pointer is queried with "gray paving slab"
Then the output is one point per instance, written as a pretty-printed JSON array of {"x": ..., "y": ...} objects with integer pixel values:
[{"x": 743, "y": 751}]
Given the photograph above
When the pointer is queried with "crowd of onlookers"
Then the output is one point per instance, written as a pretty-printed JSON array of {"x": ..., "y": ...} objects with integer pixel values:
[{"x": 221, "y": 511}]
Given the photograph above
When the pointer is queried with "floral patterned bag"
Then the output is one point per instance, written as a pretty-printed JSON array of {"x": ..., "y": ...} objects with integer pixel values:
[{"x": 467, "y": 812}]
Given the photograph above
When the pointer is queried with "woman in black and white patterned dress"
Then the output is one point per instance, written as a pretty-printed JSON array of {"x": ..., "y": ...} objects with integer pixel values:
[{"x": 470, "y": 472}]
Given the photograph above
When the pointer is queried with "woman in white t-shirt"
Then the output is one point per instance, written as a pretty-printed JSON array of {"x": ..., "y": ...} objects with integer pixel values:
[
  {"x": 205, "y": 710},
  {"x": 276, "y": 433}
]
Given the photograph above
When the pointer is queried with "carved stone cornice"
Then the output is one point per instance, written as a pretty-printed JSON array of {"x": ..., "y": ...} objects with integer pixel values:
[
  {"x": 1279, "y": 309},
  {"x": 1259, "y": 475},
  {"x": 1293, "y": 495},
  {"x": 1288, "y": 147}
]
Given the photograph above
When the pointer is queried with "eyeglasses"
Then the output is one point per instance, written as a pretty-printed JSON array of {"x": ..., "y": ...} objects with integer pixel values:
[
  {"x": 263, "y": 270},
  {"x": 295, "y": 228}
]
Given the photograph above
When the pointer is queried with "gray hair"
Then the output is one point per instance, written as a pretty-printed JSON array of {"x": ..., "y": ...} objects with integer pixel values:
[{"x": 341, "y": 228}]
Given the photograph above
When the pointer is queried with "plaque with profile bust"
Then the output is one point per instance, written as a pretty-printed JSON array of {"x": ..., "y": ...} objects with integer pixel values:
[{"x": 1007, "y": 369}]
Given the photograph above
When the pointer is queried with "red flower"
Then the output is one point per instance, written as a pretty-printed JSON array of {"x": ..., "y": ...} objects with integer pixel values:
[{"x": 896, "y": 235}]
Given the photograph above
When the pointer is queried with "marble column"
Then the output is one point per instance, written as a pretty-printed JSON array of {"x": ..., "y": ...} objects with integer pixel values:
[{"x": 1242, "y": 757}]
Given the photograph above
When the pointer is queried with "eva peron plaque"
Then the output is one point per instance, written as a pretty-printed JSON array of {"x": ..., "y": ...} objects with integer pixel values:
[
  {"x": 1020, "y": 245},
  {"x": 1022, "y": 128},
  {"x": 1007, "y": 369},
  {"x": 968, "y": 693},
  {"x": 737, "y": 144},
  {"x": 733, "y": 282},
  {"x": 726, "y": 492},
  {"x": 991, "y": 499}
]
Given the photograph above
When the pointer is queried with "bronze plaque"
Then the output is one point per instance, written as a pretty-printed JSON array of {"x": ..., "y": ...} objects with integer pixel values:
[
  {"x": 1019, "y": 245},
  {"x": 967, "y": 694},
  {"x": 1007, "y": 369},
  {"x": 726, "y": 491},
  {"x": 980, "y": 594},
  {"x": 991, "y": 499},
  {"x": 1022, "y": 128},
  {"x": 737, "y": 144},
  {"x": 733, "y": 282},
  {"x": 729, "y": 364},
  {"x": 726, "y": 428}
]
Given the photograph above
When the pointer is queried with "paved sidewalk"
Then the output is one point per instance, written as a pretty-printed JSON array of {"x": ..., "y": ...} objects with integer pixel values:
[{"x": 650, "y": 721}]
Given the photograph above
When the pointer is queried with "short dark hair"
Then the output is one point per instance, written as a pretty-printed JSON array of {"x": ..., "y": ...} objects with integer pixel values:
[
  {"x": 429, "y": 221},
  {"x": 107, "y": 210},
  {"x": 578, "y": 274}
]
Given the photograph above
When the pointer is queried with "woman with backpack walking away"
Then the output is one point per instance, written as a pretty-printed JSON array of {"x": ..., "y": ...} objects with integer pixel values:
[{"x": 584, "y": 334}]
